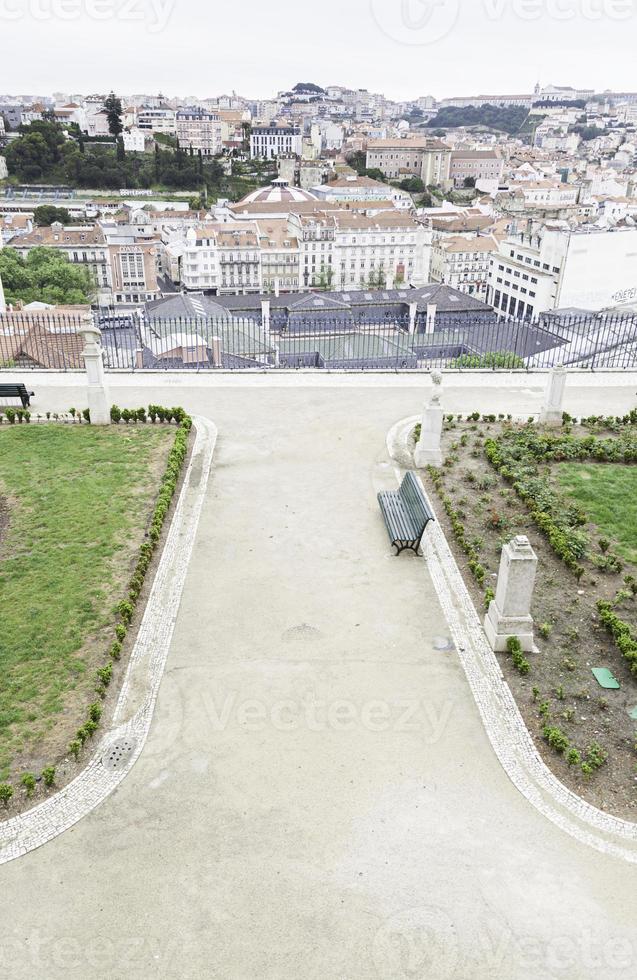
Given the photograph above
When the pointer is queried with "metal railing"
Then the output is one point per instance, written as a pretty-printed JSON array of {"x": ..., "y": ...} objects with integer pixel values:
[{"x": 134, "y": 342}]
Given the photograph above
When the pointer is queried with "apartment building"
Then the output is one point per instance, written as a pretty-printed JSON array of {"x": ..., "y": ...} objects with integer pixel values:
[
  {"x": 476, "y": 164},
  {"x": 349, "y": 250},
  {"x": 222, "y": 258},
  {"x": 429, "y": 159},
  {"x": 464, "y": 264},
  {"x": 157, "y": 119},
  {"x": 199, "y": 130},
  {"x": 559, "y": 268},
  {"x": 270, "y": 142}
]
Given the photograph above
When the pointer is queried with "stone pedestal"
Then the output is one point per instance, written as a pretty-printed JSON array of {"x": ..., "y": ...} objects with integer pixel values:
[
  {"x": 552, "y": 408},
  {"x": 428, "y": 451},
  {"x": 510, "y": 613},
  {"x": 99, "y": 402}
]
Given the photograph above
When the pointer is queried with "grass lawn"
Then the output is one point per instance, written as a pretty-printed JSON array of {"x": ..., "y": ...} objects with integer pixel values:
[
  {"x": 608, "y": 494},
  {"x": 76, "y": 502}
]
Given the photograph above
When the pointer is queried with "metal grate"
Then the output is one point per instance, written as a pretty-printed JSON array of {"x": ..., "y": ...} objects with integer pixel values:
[{"x": 118, "y": 754}]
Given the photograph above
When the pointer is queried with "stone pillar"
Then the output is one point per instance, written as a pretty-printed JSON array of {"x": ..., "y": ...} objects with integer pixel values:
[
  {"x": 552, "y": 409},
  {"x": 98, "y": 396},
  {"x": 265, "y": 316},
  {"x": 215, "y": 348},
  {"x": 510, "y": 613},
  {"x": 413, "y": 309},
  {"x": 432, "y": 309},
  {"x": 428, "y": 451}
]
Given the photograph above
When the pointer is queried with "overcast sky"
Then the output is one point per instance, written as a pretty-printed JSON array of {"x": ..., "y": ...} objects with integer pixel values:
[{"x": 404, "y": 48}]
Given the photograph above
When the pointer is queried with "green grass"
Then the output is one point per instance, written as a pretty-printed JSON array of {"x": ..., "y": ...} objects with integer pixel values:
[
  {"x": 79, "y": 499},
  {"x": 608, "y": 494}
]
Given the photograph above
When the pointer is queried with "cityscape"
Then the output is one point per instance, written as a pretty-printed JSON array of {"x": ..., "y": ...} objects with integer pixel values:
[{"x": 318, "y": 490}]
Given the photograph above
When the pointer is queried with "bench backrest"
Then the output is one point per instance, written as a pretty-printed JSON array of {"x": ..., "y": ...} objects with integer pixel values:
[
  {"x": 13, "y": 389},
  {"x": 414, "y": 499}
]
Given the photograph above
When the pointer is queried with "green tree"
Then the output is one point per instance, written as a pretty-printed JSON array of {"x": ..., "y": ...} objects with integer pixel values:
[
  {"x": 113, "y": 107},
  {"x": 121, "y": 152},
  {"x": 46, "y": 275},
  {"x": 46, "y": 214}
]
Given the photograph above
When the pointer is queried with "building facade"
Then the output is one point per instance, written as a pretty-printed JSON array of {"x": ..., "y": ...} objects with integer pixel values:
[
  {"x": 476, "y": 164},
  {"x": 429, "y": 159},
  {"x": 271, "y": 142},
  {"x": 199, "y": 131}
]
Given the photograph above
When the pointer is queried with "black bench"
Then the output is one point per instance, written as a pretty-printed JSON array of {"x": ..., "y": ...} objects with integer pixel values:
[
  {"x": 406, "y": 514},
  {"x": 17, "y": 391}
]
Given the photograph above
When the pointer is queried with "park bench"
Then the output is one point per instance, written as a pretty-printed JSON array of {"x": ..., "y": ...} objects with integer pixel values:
[
  {"x": 406, "y": 514},
  {"x": 17, "y": 391}
]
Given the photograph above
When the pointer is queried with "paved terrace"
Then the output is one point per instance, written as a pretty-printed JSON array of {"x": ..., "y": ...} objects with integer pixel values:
[{"x": 287, "y": 817}]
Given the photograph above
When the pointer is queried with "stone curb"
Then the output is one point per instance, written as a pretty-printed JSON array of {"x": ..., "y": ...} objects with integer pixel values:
[{"x": 136, "y": 703}]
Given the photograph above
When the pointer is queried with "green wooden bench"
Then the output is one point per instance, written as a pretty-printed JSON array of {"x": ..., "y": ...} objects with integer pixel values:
[
  {"x": 406, "y": 514},
  {"x": 17, "y": 391}
]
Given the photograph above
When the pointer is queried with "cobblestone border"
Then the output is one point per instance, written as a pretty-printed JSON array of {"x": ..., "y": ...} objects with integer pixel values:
[
  {"x": 136, "y": 703},
  {"x": 501, "y": 717}
]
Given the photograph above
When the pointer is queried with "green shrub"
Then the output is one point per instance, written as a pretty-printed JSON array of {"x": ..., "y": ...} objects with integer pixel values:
[
  {"x": 120, "y": 632},
  {"x": 556, "y": 739},
  {"x": 10, "y": 413},
  {"x": 125, "y": 610},
  {"x": 573, "y": 757},
  {"x": 48, "y": 776},
  {"x": 545, "y": 630},
  {"x": 95, "y": 712},
  {"x": 6, "y": 793},
  {"x": 75, "y": 748},
  {"x": 116, "y": 414},
  {"x": 28, "y": 781}
]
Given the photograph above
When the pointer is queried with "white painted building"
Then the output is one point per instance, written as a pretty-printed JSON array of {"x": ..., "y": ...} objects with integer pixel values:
[
  {"x": 557, "y": 268},
  {"x": 464, "y": 264},
  {"x": 134, "y": 140},
  {"x": 270, "y": 142}
]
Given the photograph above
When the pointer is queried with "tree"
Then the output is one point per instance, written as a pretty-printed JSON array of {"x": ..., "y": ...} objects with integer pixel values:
[
  {"x": 121, "y": 151},
  {"x": 46, "y": 276},
  {"x": 46, "y": 214},
  {"x": 414, "y": 185},
  {"x": 469, "y": 182},
  {"x": 113, "y": 107}
]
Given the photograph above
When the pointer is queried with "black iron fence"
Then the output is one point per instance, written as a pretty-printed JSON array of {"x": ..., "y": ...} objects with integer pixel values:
[{"x": 134, "y": 342}]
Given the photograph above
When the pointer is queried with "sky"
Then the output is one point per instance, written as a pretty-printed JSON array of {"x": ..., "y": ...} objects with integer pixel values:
[{"x": 403, "y": 48}]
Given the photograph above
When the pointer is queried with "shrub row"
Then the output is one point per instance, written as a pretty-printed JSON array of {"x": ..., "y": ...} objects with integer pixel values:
[
  {"x": 476, "y": 568},
  {"x": 126, "y": 607},
  {"x": 514, "y": 647},
  {"x": 155, "y": 413},
  {"x": 620, "y": 631}
]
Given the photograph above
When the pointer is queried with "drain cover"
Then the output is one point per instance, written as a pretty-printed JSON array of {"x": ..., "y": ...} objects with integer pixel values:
[
  {"x": 443, "y": 643},
  {"x": 118, "y": 754}
]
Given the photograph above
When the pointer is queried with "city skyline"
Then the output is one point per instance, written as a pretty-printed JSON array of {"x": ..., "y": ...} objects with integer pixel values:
[{"x": 405, "y": 49}]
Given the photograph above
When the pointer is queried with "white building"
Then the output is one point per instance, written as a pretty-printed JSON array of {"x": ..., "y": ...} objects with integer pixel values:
[
  {"x": 134, "y": 141},
  {"x": 463, "y": 263},
  {"x": 160, "y": 119},
  {"x": 558, "y": 268},
  {"x": 270, "y": 142},
  {"x": 354, "y": 188}
]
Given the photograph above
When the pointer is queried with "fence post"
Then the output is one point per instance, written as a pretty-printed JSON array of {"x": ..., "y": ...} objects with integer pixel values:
[
  {"x": 552, "y": 409},
  {"x": 413, "y": 309},
  {"x": 98, "y": 396},
  {"x": 432, "y": 309},
  {"x": 428, "y": 451}
]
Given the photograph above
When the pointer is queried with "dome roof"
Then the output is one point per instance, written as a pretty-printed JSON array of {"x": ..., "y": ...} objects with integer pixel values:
[{"x": 279, "y": 191}]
